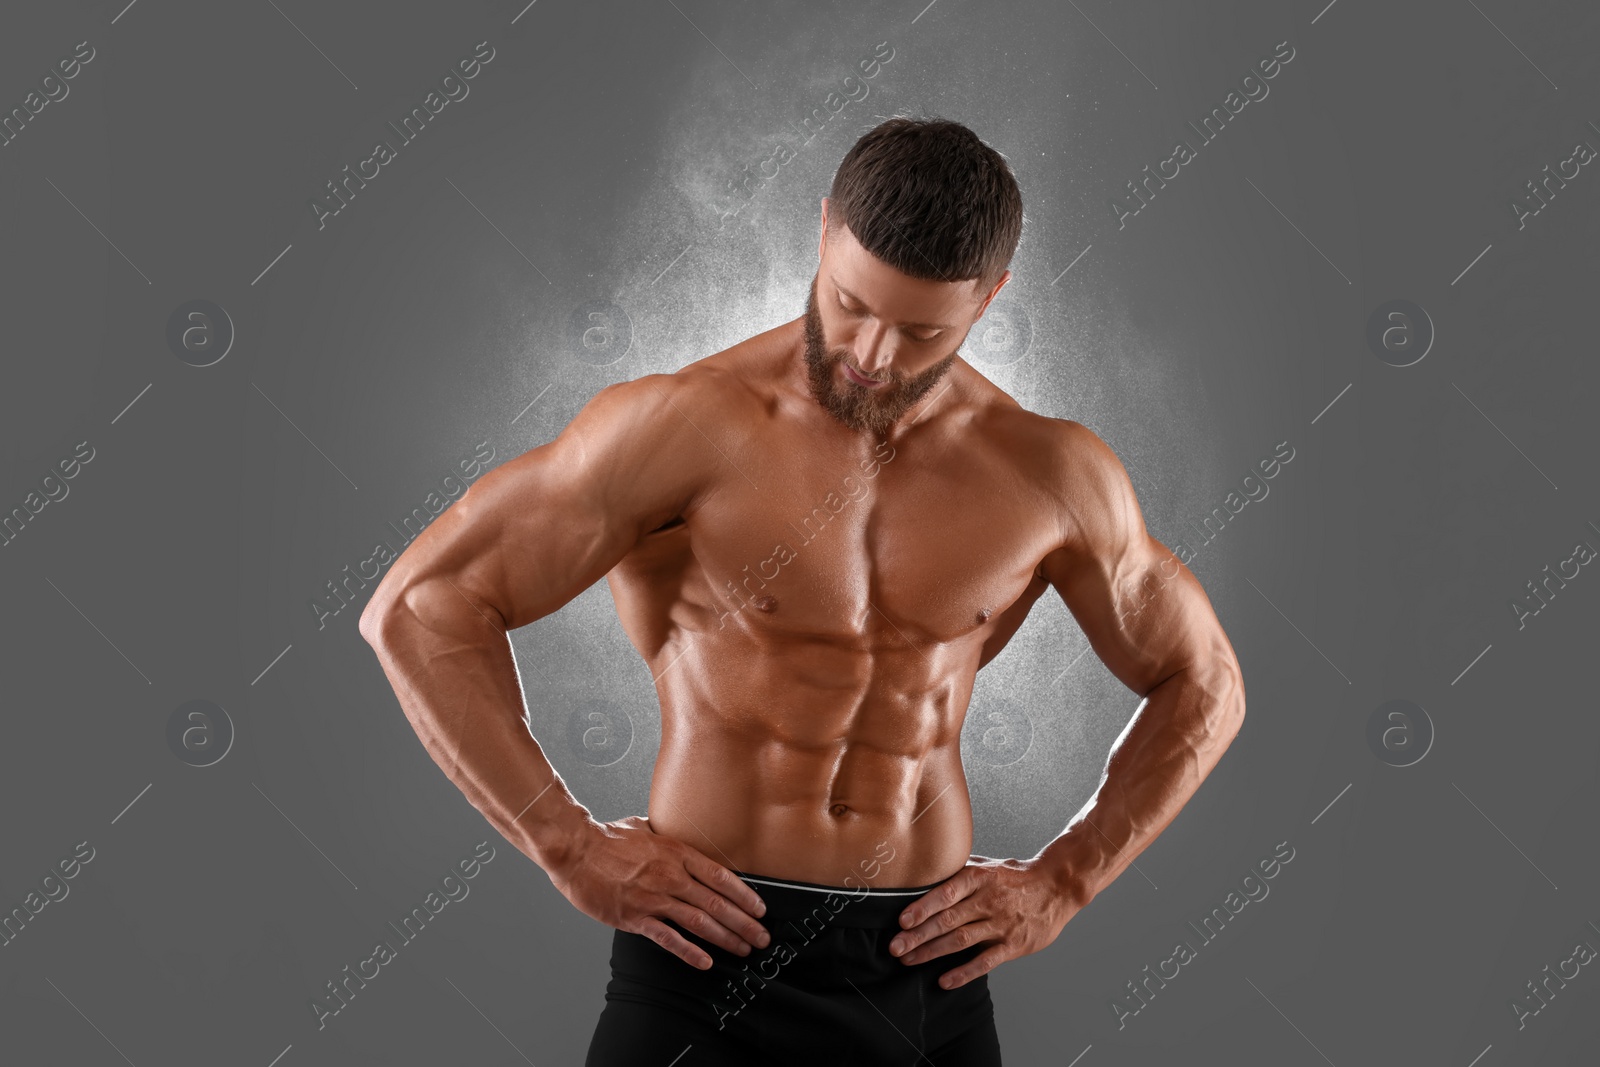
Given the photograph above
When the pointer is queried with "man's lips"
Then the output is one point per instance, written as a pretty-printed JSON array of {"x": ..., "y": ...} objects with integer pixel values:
[{"x": 867, "y": 383}]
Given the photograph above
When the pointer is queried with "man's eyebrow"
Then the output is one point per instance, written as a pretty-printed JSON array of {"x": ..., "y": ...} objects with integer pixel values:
[{"x": 913, "y": 325}]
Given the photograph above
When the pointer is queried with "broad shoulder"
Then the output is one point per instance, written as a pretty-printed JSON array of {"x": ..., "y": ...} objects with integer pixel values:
[
  {"x": 1061, "y": 457},
  {"x": 672, "y": 403},
  {"x": 658, "y": 434},
  {"x": 740, "y": 378},
  {"x": 1076, "y": 477}
]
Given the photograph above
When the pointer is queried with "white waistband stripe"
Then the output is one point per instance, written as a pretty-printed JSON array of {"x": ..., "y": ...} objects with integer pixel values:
[{"x": 843, "y": 890}]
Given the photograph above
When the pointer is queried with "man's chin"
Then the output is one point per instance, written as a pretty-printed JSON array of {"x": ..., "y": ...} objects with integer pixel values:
[
  {"x": 875, "y": 427},
  {"x": 875, "y": 419}
]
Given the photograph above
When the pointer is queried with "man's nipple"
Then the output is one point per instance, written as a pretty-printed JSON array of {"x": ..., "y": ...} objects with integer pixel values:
[{"x": 768, "y": 604}]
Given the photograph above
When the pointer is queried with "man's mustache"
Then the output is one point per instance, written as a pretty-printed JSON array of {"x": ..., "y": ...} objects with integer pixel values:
[{"x": 841, "y": 357}]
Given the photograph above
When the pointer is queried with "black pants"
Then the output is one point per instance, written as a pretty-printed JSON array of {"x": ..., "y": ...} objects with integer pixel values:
[{"x": 824, "y": 991}]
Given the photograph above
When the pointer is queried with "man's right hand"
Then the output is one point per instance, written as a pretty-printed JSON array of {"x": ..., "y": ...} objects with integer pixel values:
[{"x": 627, "y": 876}]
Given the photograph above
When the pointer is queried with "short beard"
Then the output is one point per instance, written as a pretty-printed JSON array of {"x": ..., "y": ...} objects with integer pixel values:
[{"x": 864, "y": 410}]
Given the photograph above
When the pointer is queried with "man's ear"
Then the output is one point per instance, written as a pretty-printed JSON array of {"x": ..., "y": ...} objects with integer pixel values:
[
  {"x": 999, "y": 285},
  {"x": 822, "y": 241}
]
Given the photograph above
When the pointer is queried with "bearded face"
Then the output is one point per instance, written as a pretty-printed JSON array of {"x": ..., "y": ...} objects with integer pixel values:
[{"x": 865, "y": 409}]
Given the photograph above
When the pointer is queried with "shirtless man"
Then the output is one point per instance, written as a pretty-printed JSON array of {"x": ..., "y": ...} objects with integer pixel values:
[{"x": 815, "y": 539}]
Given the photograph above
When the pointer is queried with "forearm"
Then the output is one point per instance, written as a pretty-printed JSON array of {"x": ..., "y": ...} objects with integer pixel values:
[
  {"x": 1175, "y": 740},
  {"x": 452, "y": 670}
]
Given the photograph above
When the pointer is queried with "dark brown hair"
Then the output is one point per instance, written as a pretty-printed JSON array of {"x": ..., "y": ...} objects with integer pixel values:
[{"x": 930, "y": 199}]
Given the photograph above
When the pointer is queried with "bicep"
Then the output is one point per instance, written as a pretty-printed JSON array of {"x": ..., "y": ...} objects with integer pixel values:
[
  {"x": 1143, "y": 611},
  {"x": 533, "y": 533}
]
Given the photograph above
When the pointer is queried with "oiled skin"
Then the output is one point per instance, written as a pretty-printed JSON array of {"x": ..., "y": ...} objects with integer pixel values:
[
  {"x": 816, "y": 710},
  {"x": 813, "y": 712}
]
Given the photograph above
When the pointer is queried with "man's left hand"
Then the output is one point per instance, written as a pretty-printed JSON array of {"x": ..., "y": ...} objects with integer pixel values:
[{"x": 1015, "y": 907}]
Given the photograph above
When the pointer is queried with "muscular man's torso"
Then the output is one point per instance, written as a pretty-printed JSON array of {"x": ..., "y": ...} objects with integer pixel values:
[{"x": 815, "y": 619}]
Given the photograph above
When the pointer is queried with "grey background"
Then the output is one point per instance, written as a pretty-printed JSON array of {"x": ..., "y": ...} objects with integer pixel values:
[{"x": 589, "y": 163}]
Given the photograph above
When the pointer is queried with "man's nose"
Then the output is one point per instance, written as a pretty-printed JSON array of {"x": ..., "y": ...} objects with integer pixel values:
[{"x": 872, "y": 350}]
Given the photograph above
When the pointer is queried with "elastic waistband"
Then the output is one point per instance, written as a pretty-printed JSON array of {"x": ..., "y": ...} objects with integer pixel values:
[{"x": 859, "y": 905}]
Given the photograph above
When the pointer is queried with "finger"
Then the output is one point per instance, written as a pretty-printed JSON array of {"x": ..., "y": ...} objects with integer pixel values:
[
  {"x": 956, "y": 887},
  {"x": 940, "y": 922},
  {"x": 726, "y": 912},
  {"x": 724, "y": 881},
  {"x": 977, "y": 967},
  {"x": 962, "y": 937},
  {"x": 673, "y": 942},
  {"x": 703, "y": 926}
]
